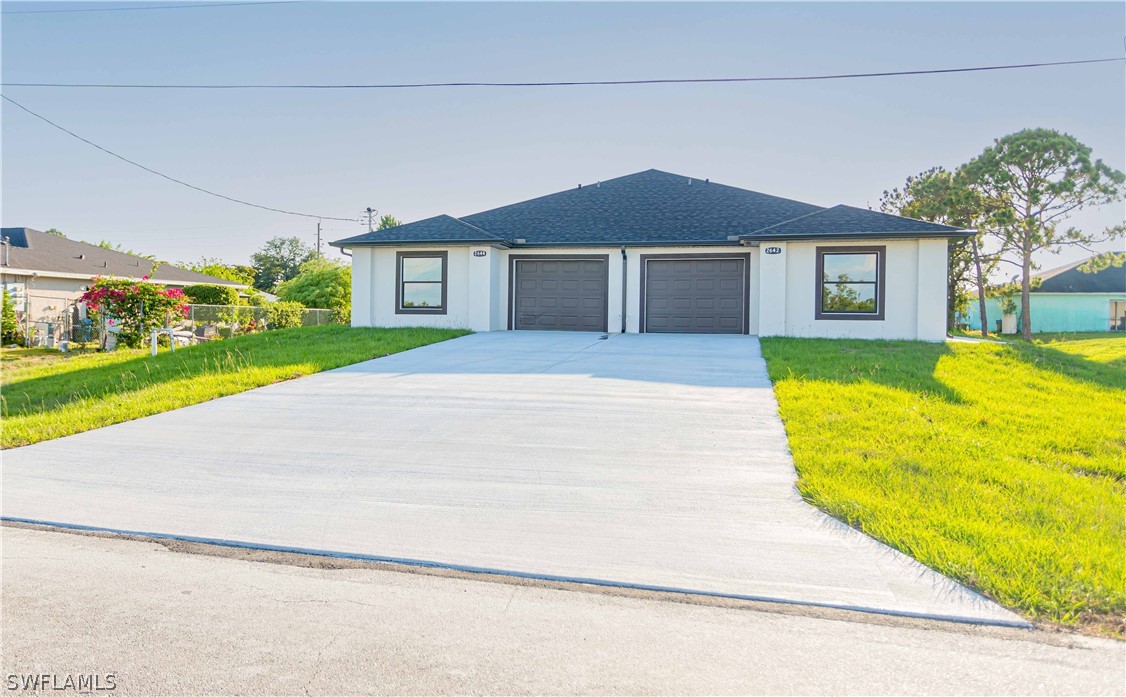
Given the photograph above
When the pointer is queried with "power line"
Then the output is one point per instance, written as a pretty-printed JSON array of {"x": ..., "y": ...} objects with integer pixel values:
[
  {"x": 165, "y": 176},
  {"x": 569, "y": 83},
  {"x": 150, "y": 7}
]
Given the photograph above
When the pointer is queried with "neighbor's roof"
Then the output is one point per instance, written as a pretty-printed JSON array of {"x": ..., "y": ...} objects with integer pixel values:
[
  {"x": 1071, "y": 279},
  {"x": 650, "y": 207},
  {"x": 47, "y": 254}
]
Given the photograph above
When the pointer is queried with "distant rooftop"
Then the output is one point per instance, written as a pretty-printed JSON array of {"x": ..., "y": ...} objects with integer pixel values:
[
  {"x": 47, "y": 254},
  {"x": 1069, "y": 278}
]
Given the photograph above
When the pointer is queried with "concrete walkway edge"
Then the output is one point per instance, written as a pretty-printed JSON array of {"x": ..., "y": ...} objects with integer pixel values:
[{"x": 423, "y": 563}]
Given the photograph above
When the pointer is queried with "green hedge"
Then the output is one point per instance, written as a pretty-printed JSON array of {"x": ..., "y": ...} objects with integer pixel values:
[
  {"x": 283, "y": 314},
  {"x": 209, "y": 294}
]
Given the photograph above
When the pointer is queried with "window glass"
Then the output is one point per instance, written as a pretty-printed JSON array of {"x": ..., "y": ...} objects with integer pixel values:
[
  {"x": 422, "y": 295},
  {"x": 850, "y": 283},
  {"x": 849, "y": 267},
  {"x": 422, "y": 283},
  {"x": 422, "y": 269},
  {"x": 848, "y": 297}
]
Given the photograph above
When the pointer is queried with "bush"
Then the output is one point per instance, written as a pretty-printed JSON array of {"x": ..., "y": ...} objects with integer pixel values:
[
  {"x": 284, "y": 314},
  {"x": 254, "y": 298},
  {"x": 209, "y": 294},
  {"x": 135, "y": 305},
  {"x": 11, "y": 333},
  {"x": 322, "y": 283}
]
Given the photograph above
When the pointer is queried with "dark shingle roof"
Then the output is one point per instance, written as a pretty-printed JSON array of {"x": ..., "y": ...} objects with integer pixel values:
[
  {"x": 848, "y": 221},
  {"x": 650, "y": 207},
  {"x": 32, "y": 250},
  {"x": 1070, "y": 279},
  {"x": 440, "y": 228}
]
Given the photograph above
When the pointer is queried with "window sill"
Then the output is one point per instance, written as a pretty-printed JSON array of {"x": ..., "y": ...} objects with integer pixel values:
[
  {"x": 411, "y": 311},
  {"x": 848, "y": 318}
]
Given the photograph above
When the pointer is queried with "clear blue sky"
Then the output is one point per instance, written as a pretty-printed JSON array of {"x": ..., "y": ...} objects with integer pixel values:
[{"x": 418, "y": 153}]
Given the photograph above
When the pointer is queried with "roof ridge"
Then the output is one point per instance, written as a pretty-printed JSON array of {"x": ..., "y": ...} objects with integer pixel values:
[
  {"x": 561, "y": 192},
  {"x": 1056, "y": 271},
  {"x": 896, "y": 215},
  {"x": 599, "y": 182},
  {"x": 478, "y": 228},
  {"x": 787, "y": 222}
]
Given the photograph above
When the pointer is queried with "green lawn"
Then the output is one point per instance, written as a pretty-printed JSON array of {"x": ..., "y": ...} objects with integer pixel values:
[
  {"x": 48, "y": 395},
  {"x": 1000, "y": 465}
]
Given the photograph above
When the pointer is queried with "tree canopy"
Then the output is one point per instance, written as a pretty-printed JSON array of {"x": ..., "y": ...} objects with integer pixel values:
[
  {"x": 1038, "y": 177},
  {"x": 212, "y": 266},
  {"x": 321, "y": 283},
  {"x": 950, "y": 198},
  {"x": 279, "y": 260}
]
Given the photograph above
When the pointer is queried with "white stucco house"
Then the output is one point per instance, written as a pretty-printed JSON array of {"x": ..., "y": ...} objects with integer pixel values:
[{"x": 659, "y": 252}]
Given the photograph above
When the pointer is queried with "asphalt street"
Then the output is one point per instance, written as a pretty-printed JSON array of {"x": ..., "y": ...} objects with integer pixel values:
[{"x": 172, "y": 623}]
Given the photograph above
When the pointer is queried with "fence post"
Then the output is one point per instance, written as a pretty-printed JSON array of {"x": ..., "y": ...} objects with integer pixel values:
[{"x": 154, "y": 341}]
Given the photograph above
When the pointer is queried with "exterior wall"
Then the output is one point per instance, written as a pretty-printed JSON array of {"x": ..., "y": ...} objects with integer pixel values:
[
  {"x": 373, "y": 291},
  {"x": 46, "y": 297},
  {"x": 781, "y": 295},
  {"x": 363, "y": 287},
  {"x": 1055, "y": 312},
  {"x": 914, "y": 292}
]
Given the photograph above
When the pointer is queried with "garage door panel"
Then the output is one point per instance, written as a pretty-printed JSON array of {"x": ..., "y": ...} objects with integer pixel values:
[
  {"x": 702, "y": 295},
  {"x": 560, "y": 294}
]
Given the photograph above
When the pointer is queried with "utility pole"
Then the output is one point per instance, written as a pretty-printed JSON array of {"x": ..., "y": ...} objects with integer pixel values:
[
  {"x": 370, "y": 212},
  {"x": 319, "y": 238}
]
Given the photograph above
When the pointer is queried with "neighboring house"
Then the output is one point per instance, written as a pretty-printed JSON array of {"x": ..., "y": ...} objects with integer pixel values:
[
  {"x": 659, "y": 252},
  {"x": 1067, "y": 300},
  {"x": 45, "y": 272}
]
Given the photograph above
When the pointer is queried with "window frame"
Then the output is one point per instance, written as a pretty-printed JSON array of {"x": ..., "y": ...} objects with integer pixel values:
[
  {"x": 881, "y": 282},
  {"x": 399, "y": 257}
]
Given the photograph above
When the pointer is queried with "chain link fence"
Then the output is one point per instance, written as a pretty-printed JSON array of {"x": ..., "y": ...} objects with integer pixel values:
[
  {"x": 69, "y": 322},
  {"x": 44, "y": 321},
  {"x": 207, "y": 322}
]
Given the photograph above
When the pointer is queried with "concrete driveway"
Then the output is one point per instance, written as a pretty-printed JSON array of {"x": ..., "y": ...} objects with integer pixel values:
[{"x": 651, "y": 460}]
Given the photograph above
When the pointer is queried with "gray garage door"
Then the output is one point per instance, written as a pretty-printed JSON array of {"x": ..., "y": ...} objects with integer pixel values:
[
  {"x": 704, "y": 296},
  {"x": 567, "y": 294}
]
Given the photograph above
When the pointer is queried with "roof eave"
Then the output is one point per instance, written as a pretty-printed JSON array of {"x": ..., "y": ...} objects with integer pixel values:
[
  {"x": 781, "y": 237},
  {"x": 346, "y": 244},
  {"x": 634, "y": 243},
  {"x": 80, "y": 276}
]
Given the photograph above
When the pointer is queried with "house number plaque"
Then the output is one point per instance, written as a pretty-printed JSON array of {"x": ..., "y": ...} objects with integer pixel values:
[
  {"x": 772, "y": 250},
  {"x": 478, "y": 252}
]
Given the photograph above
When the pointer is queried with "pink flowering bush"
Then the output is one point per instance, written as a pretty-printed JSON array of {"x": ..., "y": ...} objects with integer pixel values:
[{"x": 135, "y": 305}]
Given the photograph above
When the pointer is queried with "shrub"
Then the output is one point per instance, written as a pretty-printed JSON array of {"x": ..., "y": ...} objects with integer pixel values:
[
  {"x": 10, "y": 332},
  {"x": 322, "y": 283},
  {"x": 210, "y": 294},
  {"x": 135, "y": 305},
  {"x": 284, "y": 314}
]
